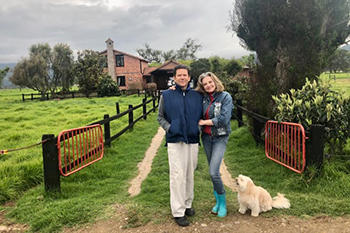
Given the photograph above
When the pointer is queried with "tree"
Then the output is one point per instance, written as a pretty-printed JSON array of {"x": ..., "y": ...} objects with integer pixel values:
[
  {"x": 198, "y": 67},
  {"x": 292, "y": 39},
  {"x": 62, "y": 66},
  {"x": 3, "y": 74},
  {"x": 149, "y": 54},
  {"x": 107, "y": 87},
  {"x": 32, "y": 73},
  {"x": 232, "y": 67},
  {"x": 339, "y": 61},
  {"x": 168, "y": 55},
  {"x": 188, "y": 50},
  {"x": 88, "y": 70},
  {"x": 247, "y": 61},
  {"x": 45, "y": 69}
]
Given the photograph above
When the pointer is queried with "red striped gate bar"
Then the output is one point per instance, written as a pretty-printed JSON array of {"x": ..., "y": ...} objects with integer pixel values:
[
  {"x": 78, "y": 148},
  {"x": 285, "y": 144}
]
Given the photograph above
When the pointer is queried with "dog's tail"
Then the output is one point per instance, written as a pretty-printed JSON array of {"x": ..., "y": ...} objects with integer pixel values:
[{"x": 280, "y": 202}]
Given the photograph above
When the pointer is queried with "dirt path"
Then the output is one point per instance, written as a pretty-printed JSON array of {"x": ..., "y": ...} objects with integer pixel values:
[{"x": 144, "y": 167}]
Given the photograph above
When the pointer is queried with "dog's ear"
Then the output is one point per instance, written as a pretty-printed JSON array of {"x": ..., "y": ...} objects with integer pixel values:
[{"x": 250, "y": 185}]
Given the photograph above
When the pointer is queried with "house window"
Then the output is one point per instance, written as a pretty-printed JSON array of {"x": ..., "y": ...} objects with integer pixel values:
[
  {"x": 105, "y": 65},
  {"x": 121, "y": 81},
  {"x": 119, "y": 60}
]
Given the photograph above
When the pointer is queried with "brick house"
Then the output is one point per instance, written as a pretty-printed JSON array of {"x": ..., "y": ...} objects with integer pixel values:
[
  {"x": 132, "y": 72},
  {"x": 125, "y": 69}
]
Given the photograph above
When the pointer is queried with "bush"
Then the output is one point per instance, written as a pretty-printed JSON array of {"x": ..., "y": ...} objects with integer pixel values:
[
  {"x": 107, "y": 87},
  {"x": 316, "y": 103},
  {"x": 151, "y": 86}
]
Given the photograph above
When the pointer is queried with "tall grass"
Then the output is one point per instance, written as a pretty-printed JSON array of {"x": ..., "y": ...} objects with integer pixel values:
[{"x": 24, "y": 123}]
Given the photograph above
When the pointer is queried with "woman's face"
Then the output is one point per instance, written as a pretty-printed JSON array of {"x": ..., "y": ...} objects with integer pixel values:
[{"x": 208, "y": 84}]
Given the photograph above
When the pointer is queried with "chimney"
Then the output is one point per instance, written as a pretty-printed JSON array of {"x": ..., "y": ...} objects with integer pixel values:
[{"x": 111, "y": 59}]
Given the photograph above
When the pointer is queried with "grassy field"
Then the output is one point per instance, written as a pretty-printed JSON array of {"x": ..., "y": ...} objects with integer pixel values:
[
  {"x": 24, "y": 123},
  {"x": 91, "y": 193},
  {"x": 340, "y": 82}
]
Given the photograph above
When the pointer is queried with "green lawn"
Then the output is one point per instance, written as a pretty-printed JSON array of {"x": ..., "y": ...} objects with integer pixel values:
[
  {"x": 90, "y": 194},
  {"x": 24, "y": 123},
  {"x": 339, "y": 81}
]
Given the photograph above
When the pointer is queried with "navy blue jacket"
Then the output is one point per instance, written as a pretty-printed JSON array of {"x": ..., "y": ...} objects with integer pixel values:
[{"x": 179, "y": 114}]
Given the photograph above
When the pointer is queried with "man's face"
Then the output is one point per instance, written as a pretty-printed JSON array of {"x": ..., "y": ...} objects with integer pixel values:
[{"x": 182, "y": 78}]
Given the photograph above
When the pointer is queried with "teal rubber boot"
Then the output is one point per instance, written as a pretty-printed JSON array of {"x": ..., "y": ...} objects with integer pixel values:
[
  {"x": 216, "y": 207},
  {"x": 222, "y": 205}
]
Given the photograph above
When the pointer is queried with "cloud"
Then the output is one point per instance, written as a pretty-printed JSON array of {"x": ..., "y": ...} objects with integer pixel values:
[{"x": 86, "y": 24}]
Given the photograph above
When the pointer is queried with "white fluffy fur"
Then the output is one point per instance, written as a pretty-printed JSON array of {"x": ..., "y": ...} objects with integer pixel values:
[{"x": 256, "y": 198}]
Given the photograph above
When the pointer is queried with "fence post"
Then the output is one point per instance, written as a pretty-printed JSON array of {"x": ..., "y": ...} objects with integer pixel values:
[
  {"x": 154, "y": 103},
  {"x": 31, "y": 96},
  {"x": 131, "y": 117},
  {"x": 117, "y": 107},
  {"x": 144, "y": 108},
  {"x": 73, "y": 95},
  {"x": 316, "y": 145},
  {"x": 107, "y": 130},
  {"x": 47, "y": 96},
  {"x": 138, "y": 92},
  {"x": 23, "y": 98},
  {"x": 50, "y": 162},
  {"x": 239, "y": 114}
]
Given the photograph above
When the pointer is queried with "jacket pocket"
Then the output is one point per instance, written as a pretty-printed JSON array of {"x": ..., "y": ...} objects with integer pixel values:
[
  {"x": 175, "y": 128},
  {"x": 193, "y": 129}
]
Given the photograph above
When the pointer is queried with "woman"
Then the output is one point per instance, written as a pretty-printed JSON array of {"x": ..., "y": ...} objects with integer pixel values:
[{"x": 217, "y": 108}]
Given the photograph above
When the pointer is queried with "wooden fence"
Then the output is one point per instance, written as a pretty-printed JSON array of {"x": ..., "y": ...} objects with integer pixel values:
[
  {"x": 77, "y": 94},
  {"x": 50, "y": 150}
]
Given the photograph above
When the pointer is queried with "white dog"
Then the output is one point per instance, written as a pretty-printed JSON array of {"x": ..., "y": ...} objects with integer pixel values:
[{"x": 257, "y": 198}]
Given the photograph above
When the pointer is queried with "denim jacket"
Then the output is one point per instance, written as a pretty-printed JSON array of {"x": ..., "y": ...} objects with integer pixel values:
[{"x": 219, "y": 112}]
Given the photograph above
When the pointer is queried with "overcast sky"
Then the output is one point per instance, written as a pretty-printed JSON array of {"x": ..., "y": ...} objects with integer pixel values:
[{"x": 86, "y": 24}]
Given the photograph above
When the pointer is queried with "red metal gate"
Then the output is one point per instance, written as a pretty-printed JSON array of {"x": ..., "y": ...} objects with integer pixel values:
[
  {"x": 285, "y": 144},
  {"x": 78, "y": 148}
]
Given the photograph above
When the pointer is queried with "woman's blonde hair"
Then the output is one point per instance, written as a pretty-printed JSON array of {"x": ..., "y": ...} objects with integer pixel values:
[{"x": 218, "y": 83}]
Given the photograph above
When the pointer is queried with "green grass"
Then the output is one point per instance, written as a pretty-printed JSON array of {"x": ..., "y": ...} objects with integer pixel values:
[
  {"x": 339, "y": 81},
  {"x": 89, "y": 194},
  {"x": 310, "y": 195},
  {"x": 24, "y": 123}
]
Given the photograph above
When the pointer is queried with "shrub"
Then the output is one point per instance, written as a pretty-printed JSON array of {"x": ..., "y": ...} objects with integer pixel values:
[
  {"x": 151, "y": 86},
  {"x": 316, "y": 103},
  {"x": 107, "y": 87}
]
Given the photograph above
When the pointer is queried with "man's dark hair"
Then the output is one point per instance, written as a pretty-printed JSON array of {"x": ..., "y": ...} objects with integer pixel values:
[{"x": 178, "y": 67}]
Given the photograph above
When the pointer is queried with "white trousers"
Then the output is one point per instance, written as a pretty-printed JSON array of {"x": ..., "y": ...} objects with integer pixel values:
[{"x": 182, "y": 164}]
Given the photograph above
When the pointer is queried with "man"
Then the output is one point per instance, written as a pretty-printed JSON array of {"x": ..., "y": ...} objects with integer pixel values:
[{"x": 179, "y": 113}]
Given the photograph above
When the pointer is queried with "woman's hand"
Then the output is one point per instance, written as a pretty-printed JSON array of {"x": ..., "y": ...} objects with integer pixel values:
[
  {"x": 172, "y": 88},
  {"x": 205, "y": 122}
]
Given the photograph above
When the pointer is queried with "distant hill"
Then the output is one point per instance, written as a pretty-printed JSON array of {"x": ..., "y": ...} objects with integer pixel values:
[{"x": 6, "y": 82}]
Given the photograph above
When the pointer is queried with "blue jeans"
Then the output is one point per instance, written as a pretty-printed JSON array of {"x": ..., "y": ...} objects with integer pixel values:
[{"x": 215, "y": 148}]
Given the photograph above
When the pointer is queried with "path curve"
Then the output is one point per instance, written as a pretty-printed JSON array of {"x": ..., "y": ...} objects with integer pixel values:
[{"x": 145, "y": 165}]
